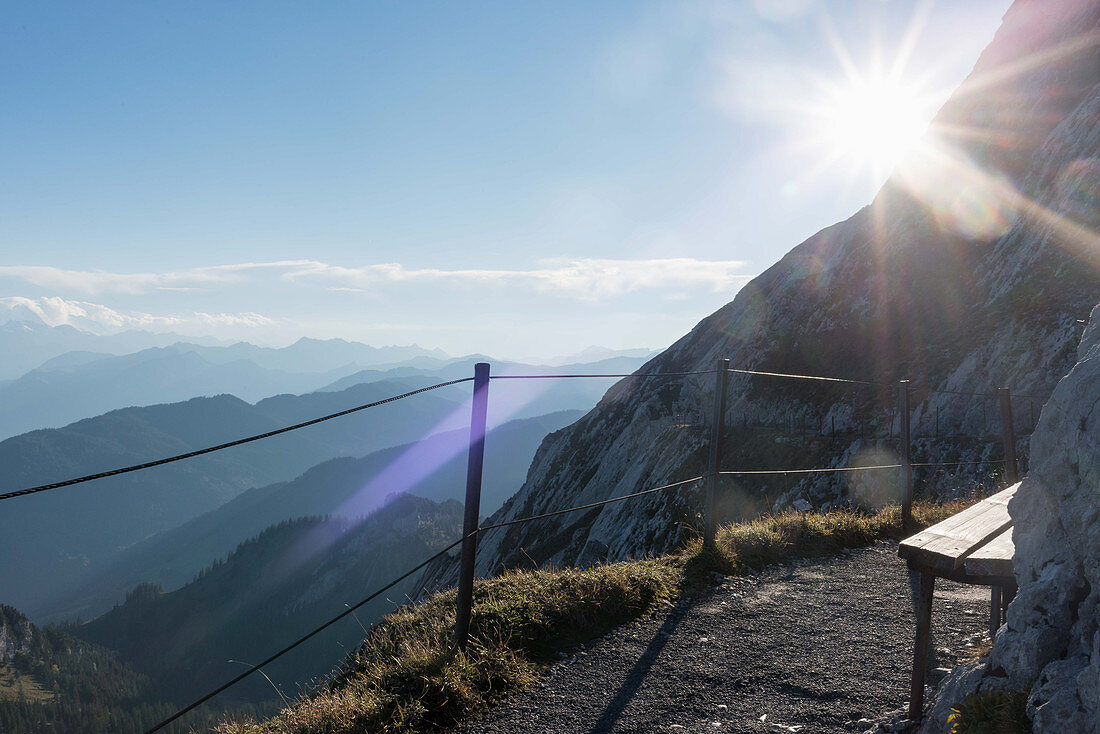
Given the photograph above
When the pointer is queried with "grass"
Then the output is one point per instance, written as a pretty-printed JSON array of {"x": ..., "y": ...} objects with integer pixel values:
[
  {"x": 997, "y": 711},
  {"x": 406, "y": 678},
  {"x": 19, "y": 686}
]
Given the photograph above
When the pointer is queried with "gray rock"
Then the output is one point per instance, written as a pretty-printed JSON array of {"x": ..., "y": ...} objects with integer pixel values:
[
  {"x": 961, "y": 682},
  {"x": 1055, "y": 703},
  {"x": 1052, "y": 637}
]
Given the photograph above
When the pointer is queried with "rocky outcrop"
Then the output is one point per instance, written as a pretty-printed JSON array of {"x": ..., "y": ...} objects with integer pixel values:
[
  {"x": 1050, "y": 644},
  {"x": 970, "y": 270},
  {"x": 15, "y": 633},
  {"x": 1052, "y": 638}
]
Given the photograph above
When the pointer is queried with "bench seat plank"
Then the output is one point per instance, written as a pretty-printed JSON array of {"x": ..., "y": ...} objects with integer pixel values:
[
  {"x": 994, "y": 558},
  {"x": 947, "y": 544}
]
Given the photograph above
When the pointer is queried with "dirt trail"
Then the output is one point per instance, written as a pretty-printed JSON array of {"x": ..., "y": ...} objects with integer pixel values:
[{"x": 814, "y": 644}]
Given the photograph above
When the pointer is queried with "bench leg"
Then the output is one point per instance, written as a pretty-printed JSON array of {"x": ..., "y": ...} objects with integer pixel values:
[
  {"x": 920, "y": 644},
  {"x": 994, "y": 610}
]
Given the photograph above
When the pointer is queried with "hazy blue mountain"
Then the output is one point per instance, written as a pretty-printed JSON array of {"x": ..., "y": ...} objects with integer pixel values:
[
  {"x": 81, "y": 384},
  {"x": 434, "y": 468},
  {"x": 313, "y": 355},
  {"x": 73, "y": 360},
  {"x": 517, "y": 398},
  {"x": 596, "y": 353},
  {"x": 55, "y": 535},
  {"x": 26, "y": 344},
  {"x": 271, "y": 590}
]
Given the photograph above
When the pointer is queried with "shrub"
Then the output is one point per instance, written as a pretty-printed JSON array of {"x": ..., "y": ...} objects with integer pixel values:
[{"x": 996, "y": 711}]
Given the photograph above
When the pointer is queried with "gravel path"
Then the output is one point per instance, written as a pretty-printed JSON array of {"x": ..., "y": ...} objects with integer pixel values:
[{"x": 819, "y": 643}]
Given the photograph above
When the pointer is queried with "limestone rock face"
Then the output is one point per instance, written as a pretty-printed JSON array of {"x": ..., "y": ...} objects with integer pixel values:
[
  {"x": 968, "y": 274},
  {"x": 1052, "y": 638}
]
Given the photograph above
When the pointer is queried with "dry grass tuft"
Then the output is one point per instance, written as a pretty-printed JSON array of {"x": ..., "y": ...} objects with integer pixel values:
[{"x": 405, "y": 679}]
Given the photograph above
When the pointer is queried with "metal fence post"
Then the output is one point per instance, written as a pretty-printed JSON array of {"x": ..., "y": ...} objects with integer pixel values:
[
  {"x": 473, "y": 504},
  {"x": 721, "y": 375},
  {"x": 1008, "y": 433},
  {"x": 906, "y": 458}
]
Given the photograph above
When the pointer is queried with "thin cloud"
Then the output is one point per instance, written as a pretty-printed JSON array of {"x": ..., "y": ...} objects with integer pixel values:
[
  {"x": 102, "y": 281},
  {"x": 583, "y": 278},
  {"x": 95, "y": 317}
]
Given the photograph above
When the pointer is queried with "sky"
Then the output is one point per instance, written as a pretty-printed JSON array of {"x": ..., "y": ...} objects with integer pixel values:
[{"x": 515, "y": 179}]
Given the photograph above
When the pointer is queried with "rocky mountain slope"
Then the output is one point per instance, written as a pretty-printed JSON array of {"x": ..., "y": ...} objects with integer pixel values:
[{"x": 970, "y": 270}]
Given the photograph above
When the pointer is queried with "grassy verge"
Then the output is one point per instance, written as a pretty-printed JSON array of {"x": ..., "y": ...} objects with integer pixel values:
[{"x": 404, "y": 679}]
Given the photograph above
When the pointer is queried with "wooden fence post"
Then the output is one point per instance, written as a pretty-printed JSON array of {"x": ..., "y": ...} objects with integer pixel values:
[
  {"x": 906, "y": 458},
  {"x": 721, "y": 375},
  {"x": 473, "y": 504},
  {"x": 1008, "y": 435}
]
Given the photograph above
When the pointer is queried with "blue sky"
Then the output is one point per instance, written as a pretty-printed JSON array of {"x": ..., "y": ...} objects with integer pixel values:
[{"x": 518, "y": 179}]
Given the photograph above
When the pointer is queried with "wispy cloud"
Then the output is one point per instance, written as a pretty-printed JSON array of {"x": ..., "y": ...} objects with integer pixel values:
[
  {"x": 582, "y": 278},
  {"x": 102, "y": 281},
  {"x": 585, "y": 278},
  {"x": 96, "y": 317}
]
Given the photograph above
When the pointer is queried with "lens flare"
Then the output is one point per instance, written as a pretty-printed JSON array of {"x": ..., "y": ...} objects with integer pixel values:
[{"x": 872, "y": 122}]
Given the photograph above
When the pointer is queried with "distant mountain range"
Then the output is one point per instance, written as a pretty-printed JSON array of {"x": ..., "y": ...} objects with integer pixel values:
[
  {"x": 55, "y": 535},
  {"x": 518, "y": 398},
  {"x": 596, "y": 353},
  {"x": 78, "y": 385},
  {"x": 434, "y": 468},
  {"x": 65, "y": 537},
  {"x": 81, "y": 384},
  {"x": 26, "y": 345}
]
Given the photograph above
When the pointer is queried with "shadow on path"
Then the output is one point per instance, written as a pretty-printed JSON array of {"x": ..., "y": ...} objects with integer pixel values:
[{"x": 637, "y": 674}]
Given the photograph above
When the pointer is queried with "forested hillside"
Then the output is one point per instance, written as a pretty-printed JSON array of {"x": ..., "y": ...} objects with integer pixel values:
[{"x": 272, "y": 589}]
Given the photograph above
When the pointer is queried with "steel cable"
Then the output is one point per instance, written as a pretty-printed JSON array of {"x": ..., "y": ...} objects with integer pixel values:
[
  {"x": 817, "y": 378},
  {"x": 757, "y": 472},
  {"x": 624, "y": 374},
  {"x": 219, "y": 447},
  {"x": 302, "y": 639},
  {"x": 254, "y": 668},
  {"x": 590, "y": 505}
]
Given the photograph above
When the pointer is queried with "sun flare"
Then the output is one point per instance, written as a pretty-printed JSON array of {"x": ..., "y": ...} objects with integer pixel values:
[{"x": 872, "y": 123}]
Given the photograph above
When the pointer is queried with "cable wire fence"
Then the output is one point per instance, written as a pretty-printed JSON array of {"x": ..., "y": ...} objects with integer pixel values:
[{"x": 899, "y": 418}]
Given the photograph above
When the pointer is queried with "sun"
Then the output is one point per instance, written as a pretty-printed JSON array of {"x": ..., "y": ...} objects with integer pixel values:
[{"x": 871, "y": 123}]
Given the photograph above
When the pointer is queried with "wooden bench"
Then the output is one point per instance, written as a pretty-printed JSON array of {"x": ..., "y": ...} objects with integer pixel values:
[{"x": 973, "y": 547}]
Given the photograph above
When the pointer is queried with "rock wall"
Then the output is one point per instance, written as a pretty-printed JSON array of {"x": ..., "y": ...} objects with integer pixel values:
[{"x": 1052, "y": 638}]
